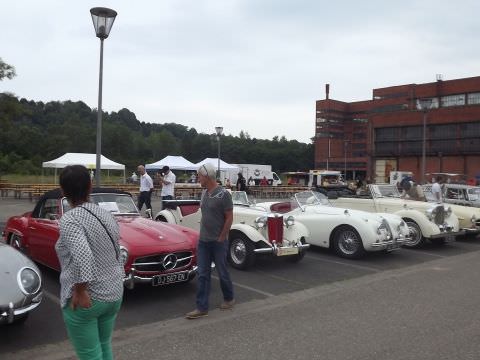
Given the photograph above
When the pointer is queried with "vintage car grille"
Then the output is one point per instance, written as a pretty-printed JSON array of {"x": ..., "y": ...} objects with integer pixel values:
[
  {"x": 164, "y": 262},
  {"x": 439, "y": 217},
  {"x": 275, "y": 229}
]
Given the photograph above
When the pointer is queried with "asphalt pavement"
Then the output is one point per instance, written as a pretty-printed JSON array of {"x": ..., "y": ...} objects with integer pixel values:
[{"x": 422, "y": 311}]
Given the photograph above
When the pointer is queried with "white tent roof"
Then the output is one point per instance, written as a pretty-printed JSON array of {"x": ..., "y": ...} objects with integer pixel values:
[
  {"x": 87, "y": 160},
  {"x": 173, "y": 162},
  {"x": 214, "y": 162}
]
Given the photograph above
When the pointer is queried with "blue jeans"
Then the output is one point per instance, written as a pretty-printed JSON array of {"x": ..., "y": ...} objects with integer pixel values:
[{"x": 209, "y": 251}]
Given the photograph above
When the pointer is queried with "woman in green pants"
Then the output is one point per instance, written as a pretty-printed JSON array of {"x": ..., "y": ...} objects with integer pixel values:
[{"x": 92, "y": 274}]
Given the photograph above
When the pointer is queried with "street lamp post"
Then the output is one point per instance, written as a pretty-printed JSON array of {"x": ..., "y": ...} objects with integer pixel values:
[
  {"x": 345, "y": 143},
  {"x": 103, "y": 19},
  {"x": 424, "y": 105},
  {"x": 219, "y": 131}
]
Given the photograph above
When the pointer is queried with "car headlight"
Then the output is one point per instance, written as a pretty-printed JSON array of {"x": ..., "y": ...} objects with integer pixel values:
[
  {"x": 383, "y": 230},
  {"x": 28, "y": 280},
  {"x": 448, "y": 211},
  {"x": 261, "y": 222},
  {"x": 123, "y": 254},
  {"x": 431, "y": 213},
  {"x": 289, "y": 221}
]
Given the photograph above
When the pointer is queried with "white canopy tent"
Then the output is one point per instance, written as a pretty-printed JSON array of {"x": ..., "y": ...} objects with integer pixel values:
[
  {"x": 87, "y": 160},
  {"x": 214, "y": 161},
  {"x": 173, "y": 162}
]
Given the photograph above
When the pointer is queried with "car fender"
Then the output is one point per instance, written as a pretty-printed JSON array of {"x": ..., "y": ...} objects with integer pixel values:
[
  {"x": 296, "y": 232},
  {"x": 427, "y": 227},
  {"x": 253, "y": 234},
  {"x": 168, "y": 215}
]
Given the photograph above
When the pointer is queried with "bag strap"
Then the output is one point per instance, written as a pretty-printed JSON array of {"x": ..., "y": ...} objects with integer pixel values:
[{"x": 106, "y": 230}]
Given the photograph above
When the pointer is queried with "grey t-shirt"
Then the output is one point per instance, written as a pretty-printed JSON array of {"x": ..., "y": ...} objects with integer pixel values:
[{"x": 214, "y": 205}]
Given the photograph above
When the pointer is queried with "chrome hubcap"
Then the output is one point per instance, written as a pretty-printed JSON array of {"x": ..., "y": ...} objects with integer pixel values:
[
  {"x": 415, "y": 234},
  {"x": 238, "y": 251},
  {"x": 349, "y": 242}
]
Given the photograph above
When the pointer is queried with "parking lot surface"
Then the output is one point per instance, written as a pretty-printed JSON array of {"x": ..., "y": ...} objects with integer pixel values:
[{"x": 385, "y": 306}]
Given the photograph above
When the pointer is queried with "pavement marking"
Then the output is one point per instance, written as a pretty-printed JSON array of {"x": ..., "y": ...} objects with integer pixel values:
[
  {"x": 267, "y": 294},
  {"x": 427, "y": 253},
  {"x": 276, "y": 277},
  {"x": 344, "y": 263},
  {"x": 52, "y": 297}
]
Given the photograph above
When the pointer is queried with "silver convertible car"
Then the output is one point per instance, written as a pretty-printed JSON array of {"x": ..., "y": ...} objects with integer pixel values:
[{"x": 20, "y": 283}]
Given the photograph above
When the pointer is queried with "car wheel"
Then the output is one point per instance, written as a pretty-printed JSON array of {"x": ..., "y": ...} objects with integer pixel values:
[
  {"x": 16, "y": 242},
  {"x": 161, "y": 218},
  {"x": 415, "y": 233},
  {"x": 348, "y": 243},
  {"x": 240, "y": 251},
  {"x": 300, "y": 255}
]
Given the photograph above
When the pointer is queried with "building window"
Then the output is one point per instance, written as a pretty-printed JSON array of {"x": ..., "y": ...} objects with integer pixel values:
[
  {"x": 360, "y": 120},
  {"x": 442, "y": 131},
  {"x": 452, "y": 100},
  {"x": 385, "y": 134},
  {"x": 473, "y": 98},
  {"x": 412, "y": 132},
  {"x": 429, "y": 103},
  {"x": 470, "y": 130}
]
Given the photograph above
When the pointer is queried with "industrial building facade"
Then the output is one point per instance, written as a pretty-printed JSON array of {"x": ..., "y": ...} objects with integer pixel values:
[{"x": 423, "y": 128}]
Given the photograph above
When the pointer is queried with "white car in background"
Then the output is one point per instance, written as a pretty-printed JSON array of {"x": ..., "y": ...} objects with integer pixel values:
[
  {"x": 464, "y": 201},
  {"x": 351, "y": 233},
  {"x": 254, "y": 230},
  {"x": 435, "y": 222}
]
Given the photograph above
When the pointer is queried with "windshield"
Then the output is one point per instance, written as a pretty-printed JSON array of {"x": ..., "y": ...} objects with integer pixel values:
[
  {"x": 474, "y": 194},
  {"x": 311, "y": 198},
  {"x": 240, "y": 198},
  {"x": 384, "y": 191},
  {"x": 115, "y": 203}
]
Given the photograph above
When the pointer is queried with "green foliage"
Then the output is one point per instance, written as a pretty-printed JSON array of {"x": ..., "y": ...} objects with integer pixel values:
[
  {"x": 6, "y": 71},
  {"x": 32, "y": 132}
]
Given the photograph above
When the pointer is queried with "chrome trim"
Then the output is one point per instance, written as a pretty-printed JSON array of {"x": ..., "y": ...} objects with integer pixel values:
[
  {"x": 443, "y": 234},
  {"x": 398, "y": 241},
  {"x": 11, "y": 312},
  {"x": 132, "y": 279},
  {"x": 19, "y": 280},
  {"x": 274, "y": 248},
  {"x": 161, "y": 262}
]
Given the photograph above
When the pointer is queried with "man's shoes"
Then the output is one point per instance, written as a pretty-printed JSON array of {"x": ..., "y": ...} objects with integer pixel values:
[
  {"x": 195, "y": 314},
  {"x": 227, "y": 305}
]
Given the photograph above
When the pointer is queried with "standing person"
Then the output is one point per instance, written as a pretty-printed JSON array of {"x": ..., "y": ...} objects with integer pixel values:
[
  {"x": 437, "y": 189},
  {"x": 92, "y": 273},
  {"x": 146, "y": 189},
  {"x": 168, "y": 184},
  {"x": 217, "y": 216},
  {"x": 251, "y": 182},
  {"x": 241, "y": 182}
]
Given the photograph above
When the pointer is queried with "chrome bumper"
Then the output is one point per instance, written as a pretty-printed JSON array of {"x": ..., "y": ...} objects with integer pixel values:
[
  {"x": 447, "y": 234},
  {"x": 274, "y": 249},
  {"x": 10, "y": 313},
  {"x": 393, "y": 244},
  {"x": 471, "y": 230},
  {"x": 132, "y": 278}
]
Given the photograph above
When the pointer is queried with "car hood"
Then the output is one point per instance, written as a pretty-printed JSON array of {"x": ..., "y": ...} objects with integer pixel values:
[
  {"x": 11, "y": 261},
  {"x": 136, "y": 232}
]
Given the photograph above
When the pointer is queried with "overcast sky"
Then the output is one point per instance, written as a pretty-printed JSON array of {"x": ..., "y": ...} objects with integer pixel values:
[{"x": 252, "y": 65}]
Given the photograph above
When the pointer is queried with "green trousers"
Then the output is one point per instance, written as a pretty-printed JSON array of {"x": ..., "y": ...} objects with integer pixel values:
[{"x": 90, "y": 330}]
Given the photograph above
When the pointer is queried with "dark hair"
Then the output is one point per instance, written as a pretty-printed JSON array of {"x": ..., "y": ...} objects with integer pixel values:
[
  {"x": 75, "y": 183},
  {"x": 165, "y": 169}
]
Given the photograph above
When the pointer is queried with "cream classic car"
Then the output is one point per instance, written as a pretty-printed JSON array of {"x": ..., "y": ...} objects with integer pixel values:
[
  {"x": 350, "y": 233},
  {"x": 464, "y": 201},
  {"x": 254, "y": 230},
  {"x": 435, "y": 222}
]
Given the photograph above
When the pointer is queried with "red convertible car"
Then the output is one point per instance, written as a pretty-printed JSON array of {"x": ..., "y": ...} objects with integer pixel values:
[{"x": 152, "y": 252}]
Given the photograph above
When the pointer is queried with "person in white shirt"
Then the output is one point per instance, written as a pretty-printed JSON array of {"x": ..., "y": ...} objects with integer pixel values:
[
  {"x": 168, "y": 184},
  {"x": 146, "y": 189},
  {"x": 437, "y": 189}
]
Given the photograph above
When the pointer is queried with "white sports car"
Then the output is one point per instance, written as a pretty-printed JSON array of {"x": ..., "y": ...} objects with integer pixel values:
[
  {"x": 435, "y": 222},
  {"x": 349, "y": 232},
  {"x": 254, "y": 230}
]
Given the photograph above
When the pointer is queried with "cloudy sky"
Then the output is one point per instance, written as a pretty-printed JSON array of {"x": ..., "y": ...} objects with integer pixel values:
[{"x": 252, "y": 65}]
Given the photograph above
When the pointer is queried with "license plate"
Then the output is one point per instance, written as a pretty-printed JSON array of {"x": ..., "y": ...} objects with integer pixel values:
[
  {"x": 287, "y": 251},
  {"x": 169, "y": 278}
]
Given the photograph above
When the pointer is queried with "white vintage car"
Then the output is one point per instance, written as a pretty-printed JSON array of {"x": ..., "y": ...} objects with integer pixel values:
[
  {"x": 350, "y": 233},
  {"x": 435, "y": 222},
  {"x": 254, "y": 231},
  {"x": 464, "y": 201}
]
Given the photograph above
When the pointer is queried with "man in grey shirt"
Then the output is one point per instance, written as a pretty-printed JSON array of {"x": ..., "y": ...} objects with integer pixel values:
[{"x": 217, "y": 217}]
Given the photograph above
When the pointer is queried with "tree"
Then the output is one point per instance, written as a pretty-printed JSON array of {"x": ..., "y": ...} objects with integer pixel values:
[{"x": 6, "y": 71}]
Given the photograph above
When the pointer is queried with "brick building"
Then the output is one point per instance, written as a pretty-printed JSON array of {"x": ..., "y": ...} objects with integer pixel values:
[{"x": 370, "y": 138}]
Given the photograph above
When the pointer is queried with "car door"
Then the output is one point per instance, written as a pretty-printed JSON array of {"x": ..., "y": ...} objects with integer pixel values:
[{"x": 43, "y": 230}]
